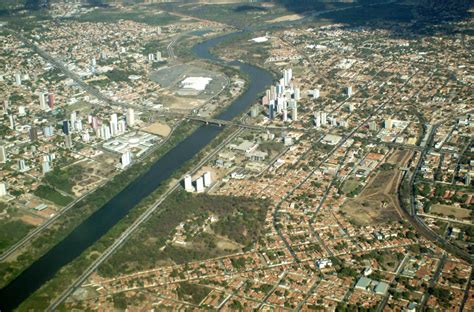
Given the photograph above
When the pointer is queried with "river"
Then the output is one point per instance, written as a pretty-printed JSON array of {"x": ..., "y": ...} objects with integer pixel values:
[{"x": 101, "y": 221}]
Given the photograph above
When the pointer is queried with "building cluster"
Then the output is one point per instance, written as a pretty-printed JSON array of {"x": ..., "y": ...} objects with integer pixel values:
[
  {"x": 199, "y": 185},
  {"x": 283, "y": 98}
]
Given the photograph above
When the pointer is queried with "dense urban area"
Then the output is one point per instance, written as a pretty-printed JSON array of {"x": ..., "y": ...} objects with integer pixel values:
[{"x": 345, "y": 185}]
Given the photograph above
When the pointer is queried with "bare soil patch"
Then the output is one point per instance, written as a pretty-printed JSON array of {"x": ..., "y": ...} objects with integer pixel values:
[
  {"x": 158, "y": 128},
  {"x": 378, "y": 202}
]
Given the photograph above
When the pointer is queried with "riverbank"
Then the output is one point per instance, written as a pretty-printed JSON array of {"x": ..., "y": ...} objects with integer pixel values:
[{"x": 94, "y": 231}]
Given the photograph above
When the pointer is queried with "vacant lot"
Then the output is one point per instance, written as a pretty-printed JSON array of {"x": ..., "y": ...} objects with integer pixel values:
[
  {"x": 378, "y": 202},
  {"x": 447, "y": 210},
  {"x": 158, "y": 128}
]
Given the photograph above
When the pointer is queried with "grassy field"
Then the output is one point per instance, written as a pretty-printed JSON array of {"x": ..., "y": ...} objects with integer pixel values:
[
  {"x": 49, "y": 193},
  {"x": 449, "y": 211},
  {"x": 64, "y": 179},
  {"x": 11, "y": 231}
]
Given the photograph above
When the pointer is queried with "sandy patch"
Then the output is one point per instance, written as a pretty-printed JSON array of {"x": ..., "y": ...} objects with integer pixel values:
[
  {"x": 29, "y": 219},
  {"x": 158, "y": 128}
]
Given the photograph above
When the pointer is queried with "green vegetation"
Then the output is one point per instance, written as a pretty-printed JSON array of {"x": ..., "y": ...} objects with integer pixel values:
[
  {"x": 347, "y": 272},
  {"x": 362, "y": 15},
  {"x": 235, "y": 14},
  {"x": 271, "y": 147},
  {"x": 351, "y": 187},
  {"x": 109, "y": 15},
  {"x": 118, "y": 75},
  {"x": 443, "y": 295},
  {"x": 11, "y": 231},
  {"x": 240, "y": 220},
  {"x": 49, "y": 193},
  {"x": 62, "y": 179},
  {"x": 192, "y": 293}
]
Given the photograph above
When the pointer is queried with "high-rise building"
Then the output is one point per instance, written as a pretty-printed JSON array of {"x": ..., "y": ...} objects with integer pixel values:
[
  {"x": 113, "y": 124},
  {"x": 349, "y": 91},
  {"x": 3, "y": 154},
  {"x": 33, "y": 134},
  {"x": 46, "y": 167},
  {"x": 66, "y": 127},
  {"x": 207, "y": 179},
  {"x": 18, "y": 79},
  {"x": 467, "y": 179},
  {"x": 285, "y": 115},
  {"x": 95, "y": 123},
  {"x": 373, "y": 126},
  {"x": 12, "y": 120},
  {"x": 42, "y": 100},
  {"x": 6, "y": 107},
  {"x": 351, "y": 107},
  {"x": 297, "y": 94},
  {"x": 317, "y": 120},
  {"x": 280, "y": 105},
  {"x": 126, "y": 159},
  {"x": 72, "y": 119},
  {"x": 324, "y": 120},
  {"x": 104, "y": 132},
  {"x": 78, "y": 126},
  {"x": 3, "y": 189},
  {"x": 287, "y": 76},
  {"x": 254, "y": 111},
  {"x": 48, "y": 131},
  {"x": 388, "y": 124},
  {"x": 158, "y": 56},
  {"x": 200, "y": 185},
  {"x": 21, "y": 111},
  {"x": 51, "y": 100},
  {"x": 294, "y": 114},
  {"x": 68, "y": 141},
  {"x": 122, "y": 126},
  {"x": 22, "y": 165},
  {"x": 271, "y": 110},
  {"x": 130, "y": 117},
  {"x": 188, "y": 183},
  {"x": 316, "y": 93},
  {"x": 86, "y": 137},
  {"x": 151, "y": 57}
]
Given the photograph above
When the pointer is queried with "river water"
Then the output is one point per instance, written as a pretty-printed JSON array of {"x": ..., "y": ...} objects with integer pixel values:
[{"x": 100, "y": 222}]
